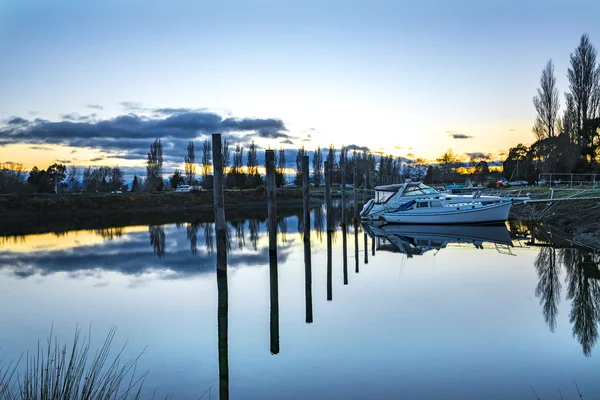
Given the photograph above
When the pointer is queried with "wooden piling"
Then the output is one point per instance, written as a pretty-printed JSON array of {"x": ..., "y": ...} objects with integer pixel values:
[
  {"x": 222, "y": 323},
  {"x": 373, "y": 246},
  {"x": 366, "y": 242},
  {"x": 272, "y": 227},
  {"x": 355, "y": 192},
  {"x": 220, "y": 224},
  {"x": 306, "y": 198},
  {"x": 345, "y": 253},
  {"x": 328, "y": 202},
  {"x": 329, "y": 268},
  {"x": 343, "y": 185},
  {"x": 356, "y": 247}
]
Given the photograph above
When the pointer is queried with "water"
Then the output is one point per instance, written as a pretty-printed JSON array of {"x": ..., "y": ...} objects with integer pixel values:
[{"x": 467, "y": 319}]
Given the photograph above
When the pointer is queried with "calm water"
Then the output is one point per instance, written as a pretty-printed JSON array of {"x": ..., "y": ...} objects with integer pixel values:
[{"x": 412, "y": 313}]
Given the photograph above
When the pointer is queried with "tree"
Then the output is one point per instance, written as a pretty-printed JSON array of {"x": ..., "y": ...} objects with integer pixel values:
[
  {"x": 206, "y": 158},
  {"x": 253, "y": 178},
  {"x": 584, "y": 83},
  {"x": 448, "y": 163},
  {"x": 546, "y": 103},
  {"x": 135, "y": 185},
  {"x": 12, "y": 177},
  {"x": 73, "y": 179},
  {"x": 280, "y": 170},
  {"x": 226, "y": 155},
  {"x": 317, "y": 163},
  {"x": 57, "y": 173},
  {"x": 116, "y": 179},
  {"x": 190, "y": 164},
  {"x": 154, "y": 166},
  {"x": 420, "y": 167},
  {"x": 176, "y": 179},
  {"x": 301, "y": 153}
]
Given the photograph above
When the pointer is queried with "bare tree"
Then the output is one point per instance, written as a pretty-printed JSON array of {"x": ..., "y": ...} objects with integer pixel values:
[
  {"x": 301, "y": 153},
  {"x": 154, "y": 165},
  {"x": 584, "y": 83},
  {"x": 116, "y": 179},
  {"x": 280, "y": 170},
  {"x": 190, "y": 164},
  {"x": 317, "y": 163},
  {"x": 252, "y": 163},
  {"x": 73, "y": 178},
  {"x": 238, "y": 159},
  {"x": 206, "y": 159},
  {"x": 546, "y": 104},
  {"x": 226, "y": 155}
]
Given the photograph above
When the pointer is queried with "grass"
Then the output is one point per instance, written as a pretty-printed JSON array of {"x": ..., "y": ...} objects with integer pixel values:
[{"x": 58, "y": 372}]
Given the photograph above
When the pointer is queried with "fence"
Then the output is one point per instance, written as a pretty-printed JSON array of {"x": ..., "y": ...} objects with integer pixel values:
[{"x": 570, "y": 180}]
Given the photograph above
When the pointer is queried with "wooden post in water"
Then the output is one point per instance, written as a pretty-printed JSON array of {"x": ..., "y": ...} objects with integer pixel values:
[
  {"x": 356, "y": 247},
  {"x": 272, "y": 226},
  {"x": 329, "y": 268},
  {"x": 373, "y": 246},
  {"x": 343, "y": 185},
  {"x": 306, "y": 198},
  {"x": 307, "y": 255},
  {"x": 345, "y": 252},
  {"x": 222, "y": 291},
  {"x": 328, "y": 196},
  {"x": 355, "y": 192},
  {"x": 366, "y": 248}
]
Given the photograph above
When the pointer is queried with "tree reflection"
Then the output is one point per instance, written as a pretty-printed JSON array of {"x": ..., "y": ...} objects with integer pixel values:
[
  {"x": 283, "y": 229},
  {"x": 192, "y": 235},
  {"x": 239, "y": 233},
  {"x": 319, "y": 222},
  {"x": 157, "y": 239},
  {"x": 549, "y": 286},
  {"x": 584, "y": 293},
  {"x": 254, "y": 227},
  {"x": 209, "y": 232}
]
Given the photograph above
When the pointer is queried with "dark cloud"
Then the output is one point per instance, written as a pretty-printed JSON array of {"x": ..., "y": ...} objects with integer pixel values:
[
  {"x": 511, "y": 129},
  {"x": 286, "y": 141},
  {"x": 95, "y": 159},
  {"x": 357, "y": 148},
  {"x": 480, "y": 156},
  {"x": 63, "y": 161},
  {"x": 43, "y": 148},
  {"x": 95, "y": 106},
  {"x": 17, "y": 121},
  {"x": 171, "y": 111},
  {"x": 460, "y": 136},
  {"x": 132, "y": 133}
]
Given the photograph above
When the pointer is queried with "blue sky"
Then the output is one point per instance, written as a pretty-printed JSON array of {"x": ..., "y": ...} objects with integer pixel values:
[{"x": 400, "y": 77}]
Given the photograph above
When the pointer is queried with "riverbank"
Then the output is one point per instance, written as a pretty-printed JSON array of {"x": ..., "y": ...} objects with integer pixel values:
[
  {"x": 579, "y": 218},
  {"x": 39, "y": 213}
]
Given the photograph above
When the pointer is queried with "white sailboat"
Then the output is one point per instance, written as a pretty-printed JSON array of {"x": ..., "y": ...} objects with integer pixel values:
[
  {"x": 438, "y": 211},
  {"x": 390, "y": 197}
]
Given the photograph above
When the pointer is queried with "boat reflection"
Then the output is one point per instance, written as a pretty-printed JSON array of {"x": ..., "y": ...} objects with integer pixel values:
[{"x": 415, "y": 240}]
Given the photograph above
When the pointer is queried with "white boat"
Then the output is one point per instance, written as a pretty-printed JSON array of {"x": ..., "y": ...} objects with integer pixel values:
[
  {"x": 439, "y": 211},
  {"x": 418, "y": 239},
  {"x": 390, "y": 197}
]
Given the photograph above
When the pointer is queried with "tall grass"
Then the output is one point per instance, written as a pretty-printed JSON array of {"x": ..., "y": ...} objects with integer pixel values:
[{"x": 58, "y": 372}]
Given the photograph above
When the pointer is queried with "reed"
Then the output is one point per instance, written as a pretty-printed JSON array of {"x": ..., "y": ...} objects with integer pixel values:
[{"x": 59, "y": 372}]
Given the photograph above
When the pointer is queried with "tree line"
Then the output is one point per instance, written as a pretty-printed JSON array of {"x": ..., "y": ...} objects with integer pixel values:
[{"x": 567, "y": 142}]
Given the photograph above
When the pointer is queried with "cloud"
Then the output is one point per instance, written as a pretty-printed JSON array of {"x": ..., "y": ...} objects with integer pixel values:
[
  {"x": 131, "y": 105},
  {"x": 460, "y": 136},
  {"x": 357, "y": 148},
  {"x": 63, "y": 161},
  {"x": 17, "y": 121},
  {"x": 77, "y": 117},
  {"x": 286, "y": 141},
  {"x": 480, "y": 156},
  {"x": 511, "y": 129},
  {"x": 398, "y": 147},
  {"x": 97, "y": 159},
  {"x": 95, "y": 106},
  {"x": 132, "y": 133}
]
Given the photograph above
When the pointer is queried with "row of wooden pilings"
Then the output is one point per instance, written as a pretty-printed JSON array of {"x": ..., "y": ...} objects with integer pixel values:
[{"x": 221, "y": 236}]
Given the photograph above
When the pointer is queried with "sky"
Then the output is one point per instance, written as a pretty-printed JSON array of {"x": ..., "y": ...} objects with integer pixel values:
[{"x": 95, "y": 82}]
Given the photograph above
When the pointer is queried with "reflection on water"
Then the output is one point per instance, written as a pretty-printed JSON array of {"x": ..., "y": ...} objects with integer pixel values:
[{"x": 177, "y": 253}]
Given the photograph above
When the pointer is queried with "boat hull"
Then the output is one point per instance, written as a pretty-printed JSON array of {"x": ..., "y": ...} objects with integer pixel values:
[{"x": 459, "y": 214}]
